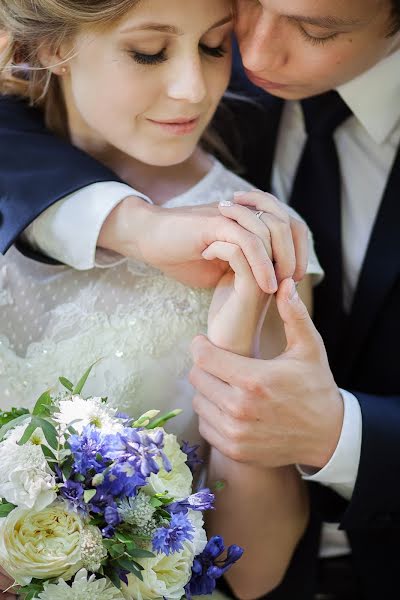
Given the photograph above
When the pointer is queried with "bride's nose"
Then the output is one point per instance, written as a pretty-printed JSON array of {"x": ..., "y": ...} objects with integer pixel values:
[{"x": 187, "y": 82}]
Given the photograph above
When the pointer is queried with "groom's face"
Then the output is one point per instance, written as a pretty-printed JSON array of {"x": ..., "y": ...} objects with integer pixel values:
[{"x": 299, "y": 48}]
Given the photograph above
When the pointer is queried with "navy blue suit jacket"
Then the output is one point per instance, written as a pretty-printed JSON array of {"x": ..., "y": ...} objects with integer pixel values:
[{"x": 37, "y": 169}]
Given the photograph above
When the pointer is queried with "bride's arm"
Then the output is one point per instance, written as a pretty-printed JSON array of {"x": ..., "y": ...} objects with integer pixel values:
[{"x": 263, "y": 510}]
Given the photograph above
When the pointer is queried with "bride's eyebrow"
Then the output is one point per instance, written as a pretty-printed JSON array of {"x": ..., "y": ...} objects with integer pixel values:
[{"x": 162, "y": 28}]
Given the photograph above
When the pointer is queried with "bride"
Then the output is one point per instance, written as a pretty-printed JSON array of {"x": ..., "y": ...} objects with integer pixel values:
[{"x": 135, "y": 84}]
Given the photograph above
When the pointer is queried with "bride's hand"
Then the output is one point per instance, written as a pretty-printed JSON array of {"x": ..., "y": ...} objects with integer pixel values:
[
  {"x": 5, "y": 583},
  {"x": 238, "y": 306},
  {"x": 284, "y": 235}
]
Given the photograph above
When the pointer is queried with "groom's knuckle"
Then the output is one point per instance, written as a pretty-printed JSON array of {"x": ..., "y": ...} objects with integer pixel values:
[
  {"x": 238, "y": 410},
  {"x": 254, "y": 384}
]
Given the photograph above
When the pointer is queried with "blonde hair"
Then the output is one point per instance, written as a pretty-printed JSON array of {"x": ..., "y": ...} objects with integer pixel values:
[{"x": 30, "y": 24}]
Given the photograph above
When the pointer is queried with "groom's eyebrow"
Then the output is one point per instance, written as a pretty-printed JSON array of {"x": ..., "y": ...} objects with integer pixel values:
[
  {"x": 327, "y": 22},
  {"x": 162, "y": 28}
]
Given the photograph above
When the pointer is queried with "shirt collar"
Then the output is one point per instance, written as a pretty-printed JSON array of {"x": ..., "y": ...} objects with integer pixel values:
[{"x": 374, "y": 97}]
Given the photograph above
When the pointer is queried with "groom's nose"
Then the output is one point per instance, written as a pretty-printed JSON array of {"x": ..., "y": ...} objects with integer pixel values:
[{"x": 263, "y": 44}]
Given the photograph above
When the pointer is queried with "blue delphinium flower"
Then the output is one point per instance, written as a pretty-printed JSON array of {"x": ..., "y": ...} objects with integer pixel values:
[
  {"x": 169, "y": 539},
  {"x": 193, "y": 459},
  {"x": 208, "y": 567},
  {"x": 91, "y": 449},
  {"x": 202, "y": 500}
]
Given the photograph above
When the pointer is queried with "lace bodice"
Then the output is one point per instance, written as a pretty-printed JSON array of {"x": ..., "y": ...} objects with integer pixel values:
[{"x": 57, "y": 321}]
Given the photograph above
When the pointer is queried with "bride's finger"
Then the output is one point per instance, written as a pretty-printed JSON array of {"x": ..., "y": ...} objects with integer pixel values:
[
  {"x": 232, "y": 254},
  {"x": 272, "y": 229},
  {"x": 247, "y": 218},
  {"x": 263, "y": 201}
]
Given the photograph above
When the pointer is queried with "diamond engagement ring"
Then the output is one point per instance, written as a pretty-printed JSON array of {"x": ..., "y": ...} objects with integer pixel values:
[{"x": 259, "y": 214}]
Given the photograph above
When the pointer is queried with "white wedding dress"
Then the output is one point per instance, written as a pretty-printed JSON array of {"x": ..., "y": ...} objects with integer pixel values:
[{"x": 139, "y": 323}]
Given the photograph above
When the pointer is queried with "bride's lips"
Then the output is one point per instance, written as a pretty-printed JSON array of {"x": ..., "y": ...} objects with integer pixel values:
[
  {"x": 265, "y": 83},
  {"x": 181, "y": 126}
]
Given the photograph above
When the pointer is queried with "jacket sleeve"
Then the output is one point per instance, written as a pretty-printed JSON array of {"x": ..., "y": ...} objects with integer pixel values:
[
  {"x": 375, "y": 503},
  {"x": 37, "y": 168}
]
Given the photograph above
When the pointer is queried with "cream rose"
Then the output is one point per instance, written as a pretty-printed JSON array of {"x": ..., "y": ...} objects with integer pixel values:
[
  {"x": 178, "y": 482},
  {"x": 166, "y": 576},
  {"x": 41, "y": 544}
]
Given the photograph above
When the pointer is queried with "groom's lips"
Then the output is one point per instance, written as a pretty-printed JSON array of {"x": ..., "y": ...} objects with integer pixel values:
[{"x": 265, "y": 83}]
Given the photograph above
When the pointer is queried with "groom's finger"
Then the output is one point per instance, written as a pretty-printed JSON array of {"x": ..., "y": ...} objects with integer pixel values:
[{"x": 232, "y": 368}]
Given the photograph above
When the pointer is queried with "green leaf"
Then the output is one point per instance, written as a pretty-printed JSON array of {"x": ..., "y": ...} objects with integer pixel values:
[
  {"x": 27, "y": 433},
  {"x": 117, "y": 550},
  {"x": 113, "y": 577},
  {"x": 9, "y": 415},
  {"x": 121, "y": 537},
  {"x": 48, "y": 453},
  {"x": 139, "y": 553},
  {"x": 43, "y": 403},
  {"x": 6, "y": 508},
  {"x": 12, "y": 424},
  {"x": 66, "y": 383},
  {"x": 160, "y": 421},
  {"x": 88, "y": 495},
  {"x": 81, "y": 383},
  {"x": 131, "y": 566},
  {"x": 49, "y": 431}
]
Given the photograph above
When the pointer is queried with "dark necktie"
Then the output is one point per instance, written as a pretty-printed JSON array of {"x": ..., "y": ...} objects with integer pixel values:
[{"x": 316, "y": 197}]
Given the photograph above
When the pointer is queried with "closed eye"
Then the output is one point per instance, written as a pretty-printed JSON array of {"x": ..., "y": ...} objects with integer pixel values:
[
  {"x": 148, "y": 59},
  {"x": 216, "y": 51}
]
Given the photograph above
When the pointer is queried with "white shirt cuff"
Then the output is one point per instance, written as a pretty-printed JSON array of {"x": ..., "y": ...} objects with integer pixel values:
[
  {"x": 68, "y": 231},
  {"x": 340, "y": 473}
]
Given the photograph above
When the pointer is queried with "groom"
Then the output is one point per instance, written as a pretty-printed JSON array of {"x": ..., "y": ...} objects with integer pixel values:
[{"x": 335, "y": 157}]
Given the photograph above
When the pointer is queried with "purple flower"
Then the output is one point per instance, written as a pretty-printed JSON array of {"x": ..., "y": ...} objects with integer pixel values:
[
  {"x": 90, "y": 449},
  {"x": 208, "y": 567},
  {"x": 169, "y": 539},
  {"x": 111, "y": 515},
  {"x": 73, "y": 491},
  {"x": 202, "y": 500},
  {"x": 193, "y": 459}
]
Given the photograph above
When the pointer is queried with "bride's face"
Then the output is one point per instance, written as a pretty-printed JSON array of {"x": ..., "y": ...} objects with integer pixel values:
[{"x": 148, "y": 85}]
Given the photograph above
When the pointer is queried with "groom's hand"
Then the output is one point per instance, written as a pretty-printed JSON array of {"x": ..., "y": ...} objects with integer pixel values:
[
  {"x": 173, "y": 240},
  {"x": 270, "y": 412}
]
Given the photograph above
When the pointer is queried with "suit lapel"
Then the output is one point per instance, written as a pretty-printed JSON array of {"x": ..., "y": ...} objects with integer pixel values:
[{"x": 380, "y": 270}]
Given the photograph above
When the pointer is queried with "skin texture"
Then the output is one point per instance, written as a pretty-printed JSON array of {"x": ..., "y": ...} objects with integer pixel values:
[
  {"x": 288, "y": 410},
  {"x": 312, "y": 46},
  {"x": 117, "y": 126},
  {"x": 275, "y": 412}
]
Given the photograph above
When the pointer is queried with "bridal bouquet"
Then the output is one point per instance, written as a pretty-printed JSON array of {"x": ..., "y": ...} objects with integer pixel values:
[{"x": 95, "y": 505}]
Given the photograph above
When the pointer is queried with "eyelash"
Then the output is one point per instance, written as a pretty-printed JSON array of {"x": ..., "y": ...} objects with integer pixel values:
[
  {"x": 316, "y": 41},
  {"x": 160, "y": 57}
]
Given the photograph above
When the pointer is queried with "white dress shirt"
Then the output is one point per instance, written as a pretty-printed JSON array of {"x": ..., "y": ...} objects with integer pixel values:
[{"x": 366, "y": 143}]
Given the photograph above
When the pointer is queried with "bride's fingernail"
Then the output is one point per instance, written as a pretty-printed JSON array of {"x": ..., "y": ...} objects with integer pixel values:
[
  {"x": 239, "y": 194},
  {"x": 226, "y": 203}
]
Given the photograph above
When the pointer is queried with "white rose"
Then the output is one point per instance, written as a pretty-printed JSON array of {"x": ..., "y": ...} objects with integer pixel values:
[
  {"x": 177, "y": 482},
  {"x": 41, "y": 544},
  {"x": 166, "y": 576},
  {"x": 26, "y": 480}
]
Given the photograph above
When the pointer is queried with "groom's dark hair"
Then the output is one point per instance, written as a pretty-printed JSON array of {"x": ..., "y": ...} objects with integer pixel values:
[{"x": 395, "y": 21}]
